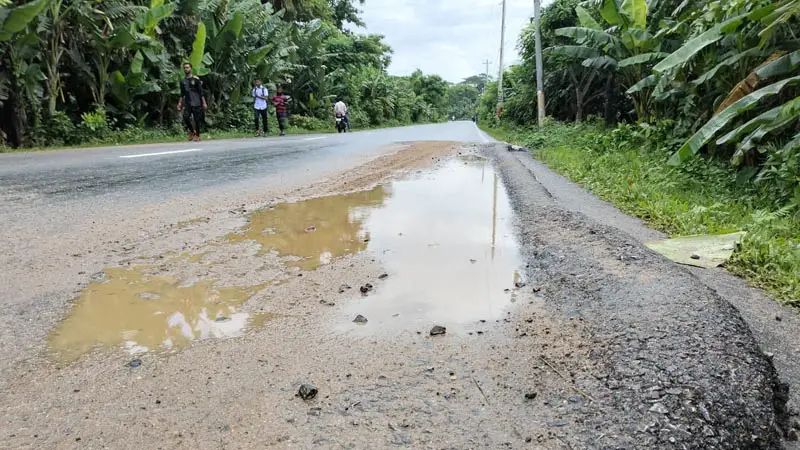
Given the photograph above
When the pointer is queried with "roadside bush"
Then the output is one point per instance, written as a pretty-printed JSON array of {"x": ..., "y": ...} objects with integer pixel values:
[
  {"x": 132, "y": 134},
  {"x": 60, "y": 130},
  {"x": 231, "y": 118},
  {"x": 780, "y": 175},
  {"x": 310, "y": 123},
  {"x": 94, "y": 127},
  {"x": 358, "y": 119}
]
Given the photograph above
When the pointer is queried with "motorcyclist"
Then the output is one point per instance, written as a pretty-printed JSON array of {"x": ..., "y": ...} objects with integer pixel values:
[{"x": 340, "y": 110}]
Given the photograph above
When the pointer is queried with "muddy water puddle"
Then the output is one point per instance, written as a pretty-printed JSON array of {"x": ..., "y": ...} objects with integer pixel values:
[
  {"x": 447, "y": 244},
  {"x": 141, "y": 311},
  {"x": 443, "y": 237},
  {"x": 316, "y": 231}
]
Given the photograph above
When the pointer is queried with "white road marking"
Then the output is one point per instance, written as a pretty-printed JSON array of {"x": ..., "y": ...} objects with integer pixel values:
[
  {"x": 481, "y": 133},
  {"x": 313, "y": 139},
  {"x": 140, "y": 155}
]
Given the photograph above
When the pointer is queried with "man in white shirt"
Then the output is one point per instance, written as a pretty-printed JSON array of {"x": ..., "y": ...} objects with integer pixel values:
[
  {"x": 260, "y": 95},
  {"x": 340, "y": 109}
]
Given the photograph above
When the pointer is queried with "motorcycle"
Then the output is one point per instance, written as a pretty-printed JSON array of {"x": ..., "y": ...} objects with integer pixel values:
[{"x": 341, "y": 125}]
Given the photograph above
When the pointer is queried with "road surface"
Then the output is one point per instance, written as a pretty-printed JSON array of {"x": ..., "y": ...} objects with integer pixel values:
[
  {"x": 147, "y": 172},
  {"x": 288, "y": 293}
]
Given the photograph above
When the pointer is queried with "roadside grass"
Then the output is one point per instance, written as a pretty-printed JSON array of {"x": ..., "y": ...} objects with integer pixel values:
[{"x": 627, "y": 166}]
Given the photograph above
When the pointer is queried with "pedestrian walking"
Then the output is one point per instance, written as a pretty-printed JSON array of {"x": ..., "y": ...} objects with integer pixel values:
[
  {"x": 192, "y": 103},
  {"x": 281, "y": 104},
  {"x": 260, "y": 105}
]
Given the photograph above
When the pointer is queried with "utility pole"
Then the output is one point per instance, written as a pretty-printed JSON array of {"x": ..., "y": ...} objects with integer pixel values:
[
  {"x": 539, "y": 65},
  {"x": 485, "y": 75},
  {"x": 500, "y": 75}
]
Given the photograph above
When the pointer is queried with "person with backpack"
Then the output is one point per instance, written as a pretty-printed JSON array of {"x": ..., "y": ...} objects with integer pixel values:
[
  {"x": 281, "y": 105},
  {"x": 260, "y": 106}
]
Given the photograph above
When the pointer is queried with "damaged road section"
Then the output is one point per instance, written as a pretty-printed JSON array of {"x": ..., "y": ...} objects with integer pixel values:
[
  {"x": 420, "y": 300},
  {"x": 673, "y": 365}
]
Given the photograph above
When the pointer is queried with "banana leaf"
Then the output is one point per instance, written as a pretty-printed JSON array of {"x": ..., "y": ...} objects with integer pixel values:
[
  {"x": 636, "y": 11},
  {"x": 18, "y": 18},
  {"x": 706, "y": 251},
  {"x": 725, "y": 117},
  {"x": 587, "y": 35},
  {"x": 692, "y": 47},
  {"x": 600, "y": 62},
  {"x": 752, "y": 52},
  {"x": 644, "y": 58},
  {"x": 585, "y": 18},
  {"x": 646, "y": 82},
  {"x": 784, "y": 65},
  {"x": 573, "y": 51},
  {"x": 198, "y": 47},
  {"x": 609, "y": 10}
]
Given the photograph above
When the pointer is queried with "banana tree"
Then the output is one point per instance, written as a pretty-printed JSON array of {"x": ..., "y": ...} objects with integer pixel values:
[
  {"x": 567, "y": 59},
  {"x": 621, "y": 48},
  {"x": 755, "y": 43},
  {"x": 310, "y": 61},
  {"x": 21, "y": 79},
  {"x": 21, "y": 76}
]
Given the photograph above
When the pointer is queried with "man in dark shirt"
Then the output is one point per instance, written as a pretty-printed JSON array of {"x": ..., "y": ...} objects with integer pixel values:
[
  {"x": 192, "y": 102},
  {"x": 280, "y": 101}
]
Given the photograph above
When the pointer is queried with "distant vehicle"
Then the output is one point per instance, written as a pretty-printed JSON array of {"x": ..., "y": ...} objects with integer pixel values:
[{"x": 341, "y": 125}]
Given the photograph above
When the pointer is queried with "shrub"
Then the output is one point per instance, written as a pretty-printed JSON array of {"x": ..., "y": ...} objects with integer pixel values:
[
  {"x": 309, "y": 123},
  {"x": 231, "y": 118},
  {"x": 94, "y": 126},
  {"x": 60, "y": 130}
]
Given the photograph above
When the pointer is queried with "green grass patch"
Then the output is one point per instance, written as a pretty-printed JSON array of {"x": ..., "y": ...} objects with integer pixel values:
[{"x": 628, "y": 167}]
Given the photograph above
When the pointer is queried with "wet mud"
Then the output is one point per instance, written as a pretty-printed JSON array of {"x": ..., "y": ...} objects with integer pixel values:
[{"x": 140, "y": 311}]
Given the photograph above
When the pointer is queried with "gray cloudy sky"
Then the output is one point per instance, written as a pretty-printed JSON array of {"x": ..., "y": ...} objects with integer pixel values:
[{"x": 451, "y": 38}]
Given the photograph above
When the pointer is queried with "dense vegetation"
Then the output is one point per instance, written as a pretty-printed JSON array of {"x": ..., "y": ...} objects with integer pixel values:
[
  {"x": 83, "y": 71},
  {"x": 708, "y": 100}
]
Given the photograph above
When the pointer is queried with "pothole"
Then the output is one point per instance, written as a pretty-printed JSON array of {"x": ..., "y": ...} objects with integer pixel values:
[
  {"x": 444, "y": 238},
  {"x": 446, "y": 242},
  {"x": 314, "y": 231},
  {"x": 142, "y": 312}
]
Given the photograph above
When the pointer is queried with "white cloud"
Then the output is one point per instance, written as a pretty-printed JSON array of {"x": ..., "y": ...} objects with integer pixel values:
[{"x": 451, "y": 38}]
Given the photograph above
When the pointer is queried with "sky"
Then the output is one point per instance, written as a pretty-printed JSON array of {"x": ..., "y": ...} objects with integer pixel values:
[{"x": 451, "y": 38}]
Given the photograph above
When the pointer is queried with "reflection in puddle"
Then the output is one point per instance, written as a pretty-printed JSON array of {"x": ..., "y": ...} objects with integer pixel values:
[
  {"x": 317, "y": 230},
  {"x": 447, "y": 242},
  {"x": 145, "y": 312}
]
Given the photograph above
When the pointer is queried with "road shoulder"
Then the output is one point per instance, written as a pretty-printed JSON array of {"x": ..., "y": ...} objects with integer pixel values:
[
  {"x": 773, "y": 325},
  {"x": 659, "y": 328}
]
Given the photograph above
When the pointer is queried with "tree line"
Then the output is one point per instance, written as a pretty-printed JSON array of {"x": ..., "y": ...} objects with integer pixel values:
[
  {"x": 73, "y": 71},
  {"x": 718, "y": 78}
]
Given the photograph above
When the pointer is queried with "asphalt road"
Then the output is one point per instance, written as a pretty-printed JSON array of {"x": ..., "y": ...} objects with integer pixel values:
[
  {"x": 151, "y": 172},
  {"x": 655, "y": 358}
]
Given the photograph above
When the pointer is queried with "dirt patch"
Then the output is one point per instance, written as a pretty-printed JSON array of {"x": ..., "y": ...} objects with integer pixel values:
[{"x": 410, "y": 156}]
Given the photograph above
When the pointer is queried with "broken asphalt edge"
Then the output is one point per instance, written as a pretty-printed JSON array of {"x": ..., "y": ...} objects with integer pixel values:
[{"x": 659, "y": 328}]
